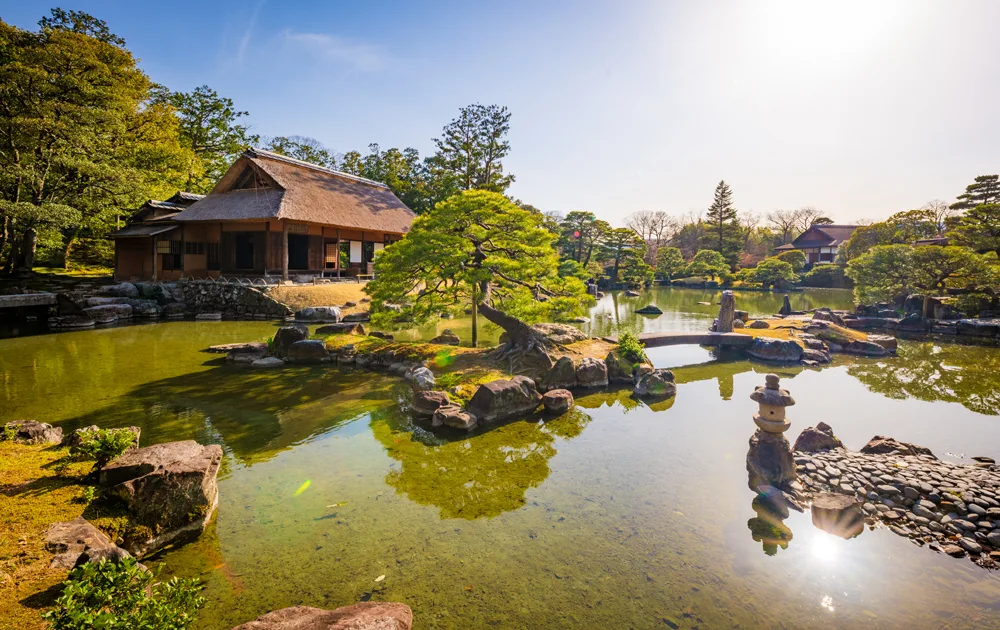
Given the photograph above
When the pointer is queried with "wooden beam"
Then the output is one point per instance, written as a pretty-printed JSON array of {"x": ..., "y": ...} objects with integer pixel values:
[
  {"x": 284, "y": 249},
  {"x": 338, "y": 252}
]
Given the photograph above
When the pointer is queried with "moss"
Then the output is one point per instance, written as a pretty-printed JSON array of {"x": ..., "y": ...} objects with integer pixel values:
[{"x": 789, "y": 329}]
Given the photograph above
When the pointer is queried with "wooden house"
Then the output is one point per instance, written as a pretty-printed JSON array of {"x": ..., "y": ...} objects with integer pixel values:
[
  {"x": 269, "y": 216},
  {"x": 820, "y": 242}
]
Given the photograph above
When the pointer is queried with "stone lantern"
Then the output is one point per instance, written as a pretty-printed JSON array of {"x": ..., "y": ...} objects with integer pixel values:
[
  {"x": 769, "y": 461},
  {"x": 772, "y": 401}
]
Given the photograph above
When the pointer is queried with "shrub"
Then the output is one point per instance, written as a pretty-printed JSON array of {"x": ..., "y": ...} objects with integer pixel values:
[
  {"x": 270, "y": 344},
  {"x": 828, "y": 276},
  {"x": 630, "y": 346},
  {"x": 104, "y": 445},
  {"x": 124, "y": 595},
  {"x": 9, "y": 432},
  {"x": 796, "y": 258}
]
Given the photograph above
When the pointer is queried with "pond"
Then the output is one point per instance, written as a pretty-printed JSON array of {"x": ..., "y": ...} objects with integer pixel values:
[{"x": 618, "y": 514}]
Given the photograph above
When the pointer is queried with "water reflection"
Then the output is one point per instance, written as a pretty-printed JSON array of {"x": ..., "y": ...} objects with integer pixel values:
[{"x": 768, "y": 528}]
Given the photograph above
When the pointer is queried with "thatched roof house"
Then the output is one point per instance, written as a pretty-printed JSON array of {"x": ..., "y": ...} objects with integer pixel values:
[
  {"x": 820, "y": 242},
  {"x": 274, "y": 215}
]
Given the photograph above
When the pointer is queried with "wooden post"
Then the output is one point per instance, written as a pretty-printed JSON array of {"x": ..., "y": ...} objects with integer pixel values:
[
  {"x": 284, "y": 250},
  {"x": 153, "y": 239}
]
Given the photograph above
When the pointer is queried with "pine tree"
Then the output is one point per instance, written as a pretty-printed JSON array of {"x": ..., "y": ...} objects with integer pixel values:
[
  {"x": 723, "y": 230},
  {"x": 985, "y": 191}
]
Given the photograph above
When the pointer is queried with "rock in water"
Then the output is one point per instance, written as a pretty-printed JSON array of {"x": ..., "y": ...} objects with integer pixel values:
[
  {"x": 620, "y": 369},
  {"x": 657, "y": 383},
  {"x": 826, "y": 315},
  {"x": 592, "y": 373},
  {"x": 32, "y": 432},
  {"x": 453, "y": 416},
  {"x": 818, "y": 438},
  {"x": 420, "y": 379},
  {"x": 361, "y": 616},
  {"x": 838, "y": 514},
  {"x": 447, "y": 338},
  {"x": 775, "y": 350},
  {"x": 286, "y": 336},
  {"x": 171, "y": 488},
  {"x": 424, "y": 404},
  {"x": 503, "y": 399},
  {"x": 769, "y": 461},
  {"x": 879, "y": 444},
  {"x": 319, "y": 314},
  {"x": 786, "y": 307},
  {"x": 307, "y": 351},
  {"x": 343, "y": 328},
  {"x": 727, "y": 312},
  {"x": 561, "y": 375},
  {"x": 631, "y": 293},
  {"x": 649, "y": 309},
  {"x": 557, "y": 400}
]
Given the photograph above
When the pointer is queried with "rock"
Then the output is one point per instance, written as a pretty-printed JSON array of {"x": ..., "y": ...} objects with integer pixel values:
[
  {"x": 592, "y": 373},
  {"x": 361, "y": 316},
  {"x": 769, "y": 460},
  {"x": 620, "y": 369},
  {"x": 775, "y": 350},
  {"x": 361, "y": 616},
  {"x": 71, "y": 322},
  {"x": 503, "y": 399},
  {"x": 994, "y": 538},
  {"x": 970, "y": 545},
  {"x": 826, "y": 315},
  {"x": 864, "y": 348},
  {"x": 658, "y": 383},
  {"x": 174, "y": 310},
  {"x": 420, "y": 378},
  {"x": 124, "y": 289},
  {"x": 978, "y": 327},
  {"x": 726, "y": 313},
  {"x": 425, "y": 403},
  {"x": 758, "y": 324},
  {"x": 738, "y": 323},
  {"x": 561, "y": 375},
  {"x": 563, "y": 334},
  {"x": 953, "y": 550},
  {"x": 307, "y": 351},
  {"x": 267, "y": 362},
  {"x": 69, "y": 540},
  {"x": 819, "y": 356},
  {"x": 912, "y": 323},
  {"x": 447, "y": 338},
  {"x": 76, "y": 438},
  {"x": 286, "y": 336},
  {"x": 886, "y": 341},
  {"x": 818, "y": 438},
  {"x": 248, "y": 347},
  {"x": 631, "y": 293},
  {"x": 208, "y": 317},
  {"x": 170, "y": 488},
  {"x": 108, "y": 313},
  {"x": 649, "y": 309},
  {"x": 880, "y": 445},
  {"x": 381, "y": 335},
  {"x": 33, "y": 432},
  {"x": 113, "y": 554},
  {"x": 837, "y": 514},
  {"x": 453, "y": 416},
  {"x": 557, "y": 400},
  {"x": 144, "y": 308},
  {"x": 786, "y": 307},
  {"x": 344, "y": 328},
  {"x": 319, "y": 314}
]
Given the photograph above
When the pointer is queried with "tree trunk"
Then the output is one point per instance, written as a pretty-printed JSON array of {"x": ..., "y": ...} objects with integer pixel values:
[
  {"x": 475, "y": 317},
  {"x": 925, "y": 310},
  {"x": 69, "y": 237},
  {"x": 28, "y": 246}
]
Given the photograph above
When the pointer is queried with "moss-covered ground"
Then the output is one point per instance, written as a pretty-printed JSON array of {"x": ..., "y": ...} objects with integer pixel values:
[
  {"x": 792, "y": 329},
  {"x": 300, "y": 296}
]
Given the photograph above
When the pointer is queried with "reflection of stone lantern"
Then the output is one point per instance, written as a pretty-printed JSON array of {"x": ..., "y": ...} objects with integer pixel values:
[{"x": 772, "y": 401}]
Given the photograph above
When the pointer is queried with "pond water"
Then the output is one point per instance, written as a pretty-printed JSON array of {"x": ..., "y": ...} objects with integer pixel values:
[{"x": 618, "y": 514}]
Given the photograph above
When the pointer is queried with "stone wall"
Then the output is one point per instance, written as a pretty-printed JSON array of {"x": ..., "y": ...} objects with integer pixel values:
[{"x": 232, "y": 301}]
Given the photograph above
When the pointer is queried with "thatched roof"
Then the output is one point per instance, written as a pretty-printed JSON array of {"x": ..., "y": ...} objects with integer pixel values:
[
  {"x": 262, "y": 185},
  {"x": 821, "y": 235}
]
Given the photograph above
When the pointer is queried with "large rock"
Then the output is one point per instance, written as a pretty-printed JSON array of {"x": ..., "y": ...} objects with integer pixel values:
[
  {"x": 816, "y": 356},
  {"x": 124, "y": 289},
  {"x": 818, "y": 438},
  {"x": 361, "y": 616},
  {"x": 838, "y": 514},
  {"x": 108, "y": 313},
  {"x": 557, "y": 400},
  {"x": 727, "y": 313},
  {"x": 307, "y": 351},
  {"x": 978, "y": 327},
  {"x": 886, "y": 341},
  {"x": 343, "y": 328},
  {"x": 420, "y": 378},
  {"x": 453, "y": 416},
  {"x": 169, "y": 488},
  {"x": 826, "y": 315},
  {"x": 657, "y": 383},
  {"x": 251, "y": 347},
  {"x": 769, "y": 461},
  {"x": 561, "y": 375},
  {"x": 33, "y": 432},
  {"x": 286, "y": 336},
  {"x": 360, "y": 316},
  {"x": 786, "y": 307},
  {"x": 160, "y": 293},
  {"x": 775, "y": 350},
  {"x": 71, "y": 539},
  {"x": 649, "y": 309},
  {"x": 620, "y": 369},
  {"x": 879, "y": 445},
  {"x": 758, "y": 324},
  {"x": 592, "y": 373},
  {"x": 447, "y": 338},
  {"x": 319, "y": 314},
  {"x": 864, "y": 348},
  {"x": 424, "y": 404},
  {"x": 504, "y": 399},
  {"x": 561, "y": 333}
]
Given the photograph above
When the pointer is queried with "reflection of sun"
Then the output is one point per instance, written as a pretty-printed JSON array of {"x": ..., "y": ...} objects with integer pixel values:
[
  {"x": 824, "y": 547},
  {"x": 827, "y": 602}
]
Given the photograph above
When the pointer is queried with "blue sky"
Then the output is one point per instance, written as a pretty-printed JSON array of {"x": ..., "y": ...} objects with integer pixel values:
[{"x": 858, "y": 108}]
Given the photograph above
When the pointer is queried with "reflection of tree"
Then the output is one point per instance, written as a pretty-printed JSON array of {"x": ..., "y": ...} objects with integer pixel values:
[
  {"x": 728, "y": 365},
  {"x": 925, "y": 371},
  {"x": 484, "y": 474}
]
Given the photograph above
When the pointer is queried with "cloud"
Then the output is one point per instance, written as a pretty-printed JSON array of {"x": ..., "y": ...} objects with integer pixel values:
[
  {"x": 247, "y": 34},
  {"x": 355, "y": 55}
]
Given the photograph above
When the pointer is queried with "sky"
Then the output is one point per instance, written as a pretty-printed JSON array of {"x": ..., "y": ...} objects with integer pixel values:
[{"x": 860, "y": 109}]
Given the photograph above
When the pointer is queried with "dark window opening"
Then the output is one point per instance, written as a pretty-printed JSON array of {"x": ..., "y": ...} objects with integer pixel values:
[
  {"x": 212, "y": 260},
  {"x": 298, "y": 251},
  {"x": 330, "y": 254},
  {"x": 194, "y": 247},
  {"x": 171, "y": 262},
  {"x": 243, "y": 244},
  {"x": 367, "y": 251}
]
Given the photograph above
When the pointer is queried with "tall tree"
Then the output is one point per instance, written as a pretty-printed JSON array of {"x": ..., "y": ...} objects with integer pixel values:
[
  {"x": 901, "y": 228},
  {"x": 471, "y": 150},
  {"x": 669, "y": 262},
  {"x": 979, "y": 226},
  {"x": 210, "y": 127},
  {"x": 476, "y": 248},
  {"x": 400, "y": 170},
  {"x": 808, "y": 216},
  {"x": 624, "y": 247},
  {"x": 708, "y": 262},
  {"x": 581, "y": 233},
  {"x": 302, "y": 148},
  {"x": 723, "y": 232},
  {"x": 785, "y": 223},
  {"x": 984, "y": 191},
  {"x": 655, "y": 228}
]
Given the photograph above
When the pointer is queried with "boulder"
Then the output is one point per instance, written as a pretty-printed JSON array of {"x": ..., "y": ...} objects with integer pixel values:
[
  {"x": 592, "y": 373},
  {"x": 343, "y": 328},
  {"x": 775, "y": 350},
  {"x": 381, "y": 335},
  {"x": 286, "y": 336},
  {"x": 912, "y": 323},
  {"x": 620, "y": 369},
  {"x": 124, "y": 289},
  {"x": 447, "y": 338},
  {"x": 144, "y": 308},
  {"x": 453, "y": 416},
  {"x": 631, "y": 293},
  {"x": 420, "y": 378},
  {"x": 557, "y": 400},
  {"x": 319, "y": 314},
  {"x": 727, "y": 308},
  {"x": 174, "y": 310},
  {"x": 502, "y": 399},
  {"x": 246, "y": 347},
  {"x": 155, "y": 291},
  {"x": 758, "y": 324},
  {"x": 886, "y": 341},
  {"x": 838, "y": 514},
  {"x": 33, "y": 432},
  {"x": 108, "y": 313},
  {"x": 169, "y": 488},
  {"x": 360, "y": 316},
  {"x": 786, "y": 307},
  {"x": 818, "y": 356},
  {"x": 561, "y": 333},
  {"x": 361, "y": 616},
  {"x": 267, "y": 362},
  {"x": 879, "y": 445},
  {"x": 744, "y": 315},
  {"x": 738, "y": 323},
  {"x": 561, "y": 375},
  {"x": 76, "y": 437},
  {"x": 70, "y": 539},
  {"x": 307, "y": 351},
  {"x": 425, "y": 403},
  {"x": 826, "y": 315},
  {"x": 978, "y": 327},
  {"x": 864, "y": 348},
  {"x": 657, "y": 383},
  {"x": 818, "y": 438},
  {"x": 769, "y": 461},
  {"x": 649, "y": 309}
]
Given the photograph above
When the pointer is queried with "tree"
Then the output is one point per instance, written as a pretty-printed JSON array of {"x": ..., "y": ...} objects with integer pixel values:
[
  {"x": 771, "y": 271},
  {"x": 669, "y": 262},
  {"x": 979, "y": 227},
  {"x": 210, "y": 128},
  {"x": 881, "y": 274},
  {"x": 709, "y": 263},
  {"x": 808, "y": 216},
  {"x": 80, "y": 22},
  {"x": 623, "y": 246},
  {"x": 785, "y": 223},
  {"x": 471, "y": 150},
  {"x": 581, "y": 233},
  {"x": 723, "y": 232},
  {"x": 901, "y": 228},
  {"x": 940, "y": 211},
  {"x": 476, "y": 248},
  {"x": 934, "y": 269},
  {"x": 302, "y": 148},
  {"x": 401, "y": 170},
  {"x": 655, "y": 228},
  {"x": 984, "y": 191},
  {"x": 796, "y": 258}
]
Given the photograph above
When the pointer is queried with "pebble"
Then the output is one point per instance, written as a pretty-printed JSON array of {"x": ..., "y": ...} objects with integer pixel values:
[{"x": 970, "y": 545}]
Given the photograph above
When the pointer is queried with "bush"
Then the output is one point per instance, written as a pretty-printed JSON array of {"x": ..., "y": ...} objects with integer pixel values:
[
  {"x": 124, "y": 595},
  {"x": 796, "y": 258},
  {"x": 104, "y": 445},
  {"x": 630, "y": 347},
  {"x": 827, "y": 276}
]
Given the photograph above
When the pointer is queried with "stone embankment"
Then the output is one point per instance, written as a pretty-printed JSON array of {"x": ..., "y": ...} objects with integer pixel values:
[{"x": 944, "y": 320}]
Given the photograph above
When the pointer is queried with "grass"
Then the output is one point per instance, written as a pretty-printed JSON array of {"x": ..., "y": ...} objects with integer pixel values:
[
  {"x": 790, "y": 328},
  {"x": 76, "y": 272},
  {"x": 334, "y": 294}
]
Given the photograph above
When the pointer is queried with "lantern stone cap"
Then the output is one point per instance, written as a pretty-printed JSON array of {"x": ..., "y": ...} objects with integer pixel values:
[{"x": 771, "y": 394}]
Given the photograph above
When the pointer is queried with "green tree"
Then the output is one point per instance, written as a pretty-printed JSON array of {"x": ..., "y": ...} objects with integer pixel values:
[
  {"x": 80, "y": 22},
  {"x": 477, "y": 248},
  {"x": 402, "y": 171},
  {"x": 723, "y": 232},
  {"x": 707, "y": 262},
  {"x": 772, "y": 271},
  {"x": 828, "y": 275},
  {"x": 622, "y": 247},
  {"x": 902, "y": 228},
  {"x": 581, "y": 234},
  {"x": 796, "y": 258},
  {"x": 302, "y": 148},
  {"x": 985, "y": 191},
  {"x": 471, "y": 150},
  {"x": 669, "y": 262},
  {"x": 210, "y": 127},
  {"x": 979, "y": 226},
  {"x": 934, "y": 269},
  {"x": 881, "y": 274}
]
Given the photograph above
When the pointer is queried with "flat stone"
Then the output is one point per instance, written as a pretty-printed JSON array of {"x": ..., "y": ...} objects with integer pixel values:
[
  {"x": 953, "y": 550},
  {"x": 425, "y": 403},
  {"x": 970, "y": 545},
  {"x": 453, "y": 416},
  {"x": 267, "y": 362},
  {"x": 361, "y": 616},
  {"x": 69, "y": 540}
]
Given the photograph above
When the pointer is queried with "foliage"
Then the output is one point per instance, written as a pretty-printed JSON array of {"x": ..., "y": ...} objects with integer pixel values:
[
  {"x": 9, "y": 432},
  {"x": 580, "y": 234},
  {"x": 828, "y": 275},
  {"x": 270, "y": 344},
  {"x": 933, "y": 269},
  {"x": 569, "y": 268},
  {"x": 104, "y": 445},
  {"x": 881, "y": 274},
  {"x": 979, "y": 227},
  {"x": 80, "y": 22},
  {"x": 890, "y": 271},
  {"x": 901, "y": 228},
  {"x": 669, "y": 262},
  {"x": 723, "y": 232},
  {"x": 624, "y": 248},
  {"x": 124, "y": 595},
  {"x": 630, "y": 346},
  {"x": 471, "y": 150},
  {"x": 985, "y": 191},
  {"x": 708, "y": 263},
  {"x": 402, "y": 171},
  {"x": 771, "y": 271},
  {"x": 796, "y": 258},
  {"x": 302, "y": 148}
]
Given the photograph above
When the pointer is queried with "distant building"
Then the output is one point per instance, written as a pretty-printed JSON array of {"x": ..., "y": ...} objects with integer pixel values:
[
  {"x": 269, "y": 215},
  {"x": 940, "y": 241},
  {"x": 820, "y": 242}
]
